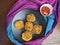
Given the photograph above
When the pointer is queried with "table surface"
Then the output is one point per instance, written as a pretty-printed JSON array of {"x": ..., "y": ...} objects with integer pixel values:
[
  {"x": 53, "y": 39},
  {"x": 4, "y": 7}
]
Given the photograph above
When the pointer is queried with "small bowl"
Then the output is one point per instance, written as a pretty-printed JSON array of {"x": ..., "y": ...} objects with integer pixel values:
[{"x": 49, "y": 7}]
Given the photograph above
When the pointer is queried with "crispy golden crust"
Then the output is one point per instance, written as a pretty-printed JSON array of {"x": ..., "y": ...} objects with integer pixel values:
[
  {"x": 27, "y": 36},
  {"x": 19, "y": 24},
  {"x": 28, "y": 26},
  {"x": 37, "y": 29},
  {"x": 30, "y": 17}
]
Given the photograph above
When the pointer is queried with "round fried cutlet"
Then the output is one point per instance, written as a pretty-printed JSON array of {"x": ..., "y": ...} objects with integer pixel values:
[
  {"x": 37, "y": 29},
  {"x": 27, "y": 36},
  {"x": 19, "y": 24},
  {"x": 28, "y": 26},
  {"x": 30, "y": 17}
]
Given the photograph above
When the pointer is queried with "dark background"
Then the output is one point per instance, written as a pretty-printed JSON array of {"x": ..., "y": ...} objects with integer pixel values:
[{"x": 4, "y": 7}]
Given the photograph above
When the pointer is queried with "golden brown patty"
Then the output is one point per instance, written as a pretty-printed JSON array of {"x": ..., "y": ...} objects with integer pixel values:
[
  {"x": 28, "y": 26},
  {"x": 37, "y": 29},
  {"x": 19, "y": 24},
  {"x": 27, "y": 36},
  {"x": 30, "y": 17}
]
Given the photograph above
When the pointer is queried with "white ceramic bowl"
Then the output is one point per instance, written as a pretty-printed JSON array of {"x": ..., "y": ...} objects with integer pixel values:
[{"x": 49, "y": 6}]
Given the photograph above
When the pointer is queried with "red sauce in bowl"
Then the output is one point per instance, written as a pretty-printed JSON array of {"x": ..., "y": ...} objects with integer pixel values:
[{"x": 45, "y": 10}]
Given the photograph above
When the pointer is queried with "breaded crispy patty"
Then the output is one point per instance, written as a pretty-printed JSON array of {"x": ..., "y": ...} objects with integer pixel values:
[
  {"x": 37, "y": 29},
  {"x": 30, "y": 17},
  {"x": 28, "y": 26},
  {"x": 19, "y": 24},
  {"x": 27, "y": 36}
]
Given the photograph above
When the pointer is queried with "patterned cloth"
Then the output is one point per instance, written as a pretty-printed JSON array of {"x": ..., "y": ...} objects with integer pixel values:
[{"x": 34, "y": 4}]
